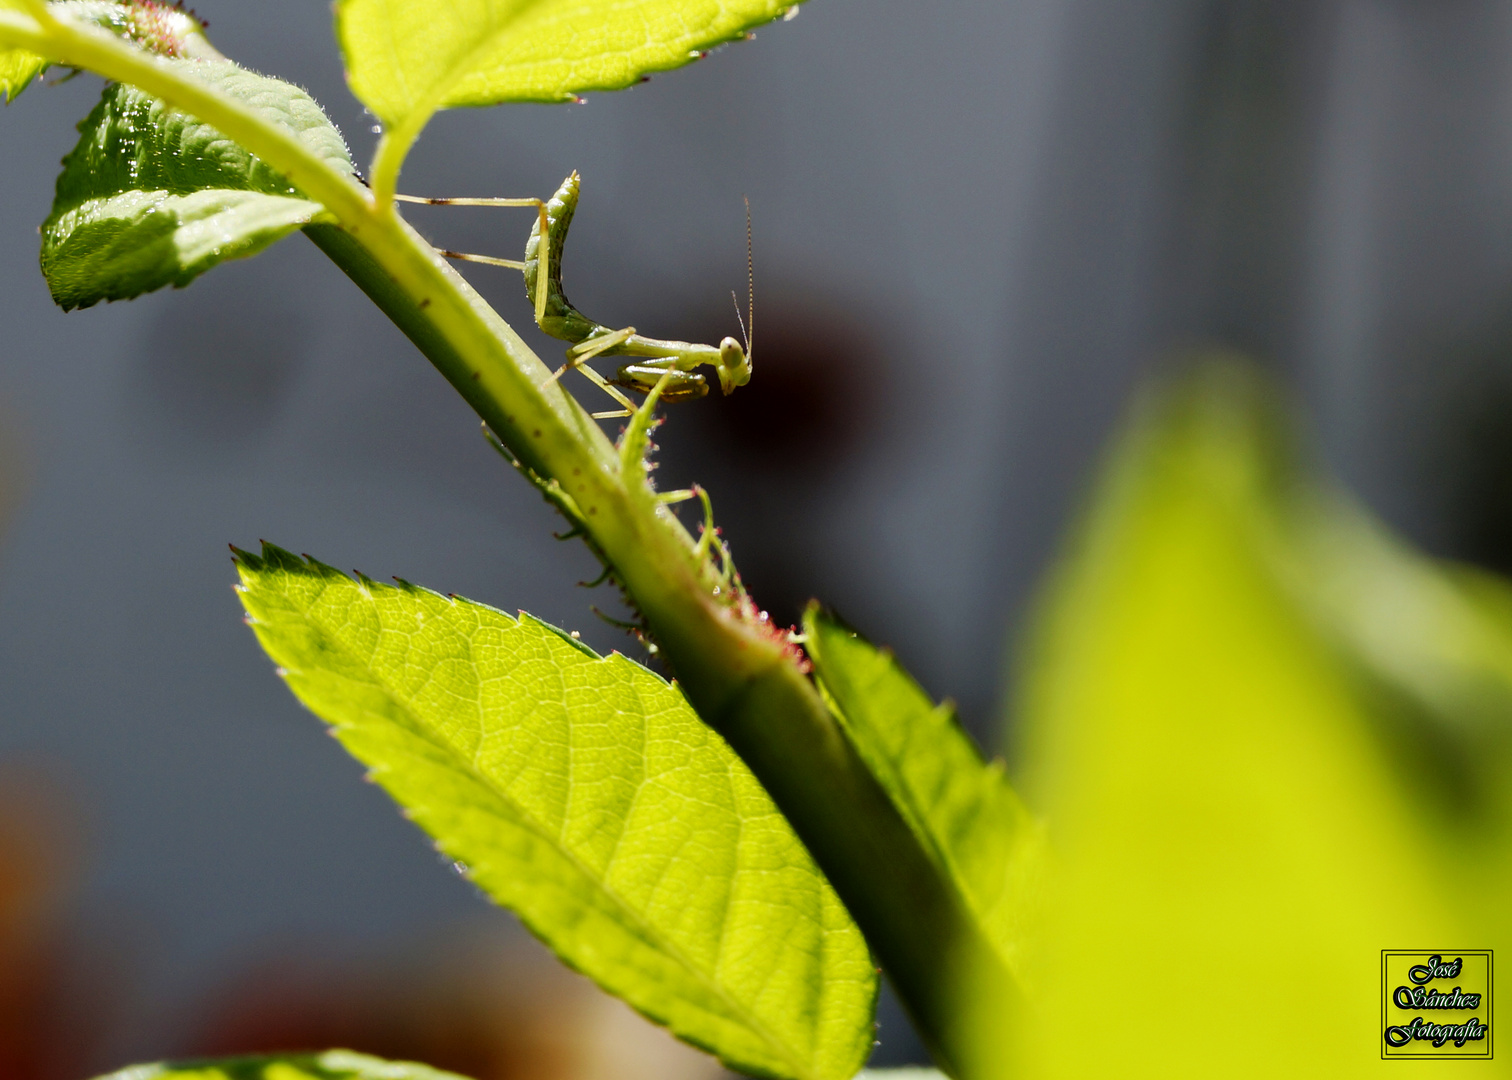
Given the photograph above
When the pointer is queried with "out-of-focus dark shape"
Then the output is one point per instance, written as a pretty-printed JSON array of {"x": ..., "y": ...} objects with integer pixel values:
[
  {"x": 481, "y": 1001},
  {"x": 814, "y": 390},
  {"x": 1471, "y": 442},
  {"x": 768, "y": 451}
]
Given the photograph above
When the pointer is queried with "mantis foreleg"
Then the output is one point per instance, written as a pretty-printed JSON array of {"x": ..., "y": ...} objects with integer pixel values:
[{"x": 577, "y": 358}]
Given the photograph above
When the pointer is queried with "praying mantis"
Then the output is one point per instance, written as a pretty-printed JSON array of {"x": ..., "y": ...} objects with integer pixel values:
[{"x": 672, "y": 365}]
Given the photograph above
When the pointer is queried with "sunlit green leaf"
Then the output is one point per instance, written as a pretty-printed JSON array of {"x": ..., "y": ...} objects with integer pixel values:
[
  {"x": 406, "y": 60},
  {"x": 330, "y": 1065},
  {"x": 409, "y": 58},
  {"x": 1237, "y": 818},
  {"x": 152, "y": 197},
  {"x": 121, "y": 247},
  {"x": 962, "y": 808},
  {"x": 585, "y": 794}
]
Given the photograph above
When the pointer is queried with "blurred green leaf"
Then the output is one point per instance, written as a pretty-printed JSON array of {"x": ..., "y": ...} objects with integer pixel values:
[
  {"x": 962, "y": 808},
  {"x": 1238, "y": 824},
  {"x": 1430, "y": 641},
  {"x": 585, "y": 794},
  {"x": 407, "y": 60},
  {"x": 330, "y": 1065},
  {"x": 152, "y": 197}
]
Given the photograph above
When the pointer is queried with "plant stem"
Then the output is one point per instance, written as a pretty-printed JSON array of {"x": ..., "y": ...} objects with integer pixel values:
[
  {"x": 393, "y": 147},
  {"x": 748, "y": 689},
  {"x": 739, "y": 677}
]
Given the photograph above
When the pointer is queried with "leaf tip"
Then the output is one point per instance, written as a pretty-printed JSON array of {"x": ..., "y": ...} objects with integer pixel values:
[{"x": 244, "y": 558}]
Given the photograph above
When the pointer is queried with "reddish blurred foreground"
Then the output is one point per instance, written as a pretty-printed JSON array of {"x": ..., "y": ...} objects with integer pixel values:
[{"x": 481, "y": 999}]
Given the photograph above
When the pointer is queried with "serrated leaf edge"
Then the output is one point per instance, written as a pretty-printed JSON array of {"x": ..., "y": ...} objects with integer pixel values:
[{"x": 800, "y": 1071}]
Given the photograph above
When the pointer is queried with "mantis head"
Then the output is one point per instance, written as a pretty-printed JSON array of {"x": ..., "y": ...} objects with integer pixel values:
[{"x": 734, "y": 365}]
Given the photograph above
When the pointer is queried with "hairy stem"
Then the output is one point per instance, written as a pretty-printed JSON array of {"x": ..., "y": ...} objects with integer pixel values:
[{"x": 746, "y": 687}]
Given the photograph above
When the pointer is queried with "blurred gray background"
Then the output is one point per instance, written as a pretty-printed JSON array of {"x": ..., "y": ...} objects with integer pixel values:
[{"x": 978, "y": 225}]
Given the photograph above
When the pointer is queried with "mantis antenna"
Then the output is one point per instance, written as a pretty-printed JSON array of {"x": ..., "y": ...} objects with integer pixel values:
[{"x": 747, "y": 325}]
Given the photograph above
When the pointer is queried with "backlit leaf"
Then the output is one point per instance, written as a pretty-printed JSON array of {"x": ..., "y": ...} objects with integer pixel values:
[
  {"x": 585, "y": 794},
  {"x": 406, "y": 60},
  {"x": 962, "y": 808}
]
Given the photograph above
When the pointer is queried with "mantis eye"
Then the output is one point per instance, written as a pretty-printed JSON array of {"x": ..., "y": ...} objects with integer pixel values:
[{"x": 734, "y": 365}]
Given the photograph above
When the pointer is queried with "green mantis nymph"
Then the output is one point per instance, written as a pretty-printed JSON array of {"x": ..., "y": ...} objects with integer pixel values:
[{"x": 655, "y": 358}]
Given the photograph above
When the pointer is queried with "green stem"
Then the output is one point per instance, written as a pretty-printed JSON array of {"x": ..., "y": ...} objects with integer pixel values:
[
  {"x": 393, "y": 147},
  {"x": 744, "y": 686},
  {"x": 740, "y": 677}
]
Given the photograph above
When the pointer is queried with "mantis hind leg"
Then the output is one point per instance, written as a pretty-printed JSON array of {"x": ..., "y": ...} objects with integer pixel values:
[{"x": 489, "y": 260}]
